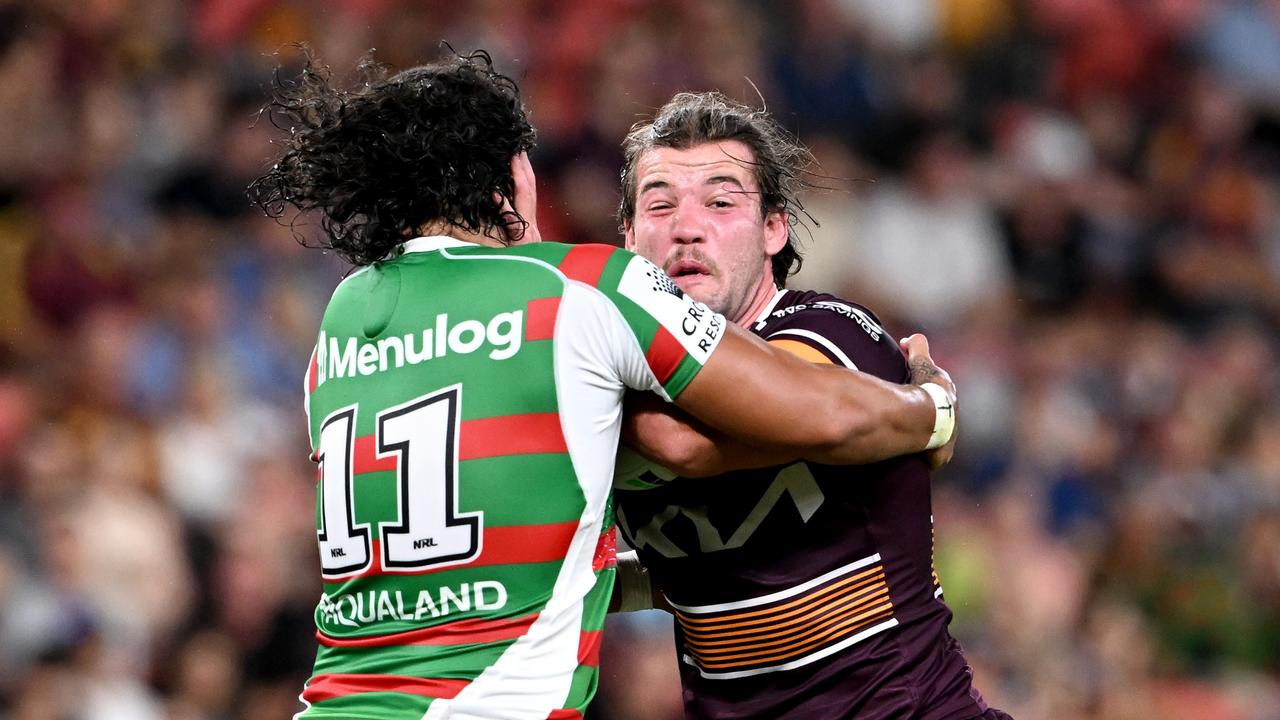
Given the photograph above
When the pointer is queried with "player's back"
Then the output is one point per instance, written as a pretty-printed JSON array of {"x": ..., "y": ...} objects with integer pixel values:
[
  {"x": 447, "y": 501},
  {"x": 464, "y": 405},
  {"x": 465, "y": 551}
]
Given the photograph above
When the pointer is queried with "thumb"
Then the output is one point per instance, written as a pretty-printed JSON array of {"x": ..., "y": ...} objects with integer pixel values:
[{"x": 915, "y": 346}]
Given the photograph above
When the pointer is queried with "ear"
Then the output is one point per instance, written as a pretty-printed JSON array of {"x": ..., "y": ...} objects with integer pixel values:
[
  {"x": 775, "y": 232},
  {"x": 629, "y": 236}
]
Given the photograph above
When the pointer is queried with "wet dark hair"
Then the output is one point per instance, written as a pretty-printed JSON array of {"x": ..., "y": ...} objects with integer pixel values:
[
  {"x": 692, "y": 119},
  {"x": 380, "y": 161}
]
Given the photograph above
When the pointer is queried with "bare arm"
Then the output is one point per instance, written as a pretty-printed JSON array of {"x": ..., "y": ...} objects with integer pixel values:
[
  {"x": 683, "y": 444},
  {"x": 671, "y": 437},
  {"x": 774, "y": 402}
]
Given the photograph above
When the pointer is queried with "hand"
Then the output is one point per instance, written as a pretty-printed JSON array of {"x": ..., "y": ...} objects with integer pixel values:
[
  {"x": 525, "y": 200},
  {"x": 924, "y": 371}
]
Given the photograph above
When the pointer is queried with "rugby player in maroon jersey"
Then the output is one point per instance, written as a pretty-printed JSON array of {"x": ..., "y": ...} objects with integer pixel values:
[{"x": 800, "y": 590}]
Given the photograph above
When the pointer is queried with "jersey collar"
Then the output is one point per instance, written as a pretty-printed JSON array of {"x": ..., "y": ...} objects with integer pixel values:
[
  {"x": 432, "y": 243},
  {"x": 777, "y": 297}
]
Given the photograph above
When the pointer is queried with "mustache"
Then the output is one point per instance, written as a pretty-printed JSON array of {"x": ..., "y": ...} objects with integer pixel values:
[{"x": 692, "y": 254}]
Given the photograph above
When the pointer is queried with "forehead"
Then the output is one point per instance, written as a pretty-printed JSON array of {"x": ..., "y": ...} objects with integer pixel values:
[{"x": 697, "y": 165}]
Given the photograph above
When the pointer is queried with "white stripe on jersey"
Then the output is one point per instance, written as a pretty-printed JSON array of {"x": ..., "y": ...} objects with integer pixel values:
[
  {"x": 781, "y": 594},
  {"x": 825, "y": 652}
]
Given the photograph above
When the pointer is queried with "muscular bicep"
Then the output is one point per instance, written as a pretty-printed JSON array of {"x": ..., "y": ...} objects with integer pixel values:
[
  {"x": 763, "y": 395},
  {"x": 665, "y": 434},
  {"x": 673, "y": 438}
]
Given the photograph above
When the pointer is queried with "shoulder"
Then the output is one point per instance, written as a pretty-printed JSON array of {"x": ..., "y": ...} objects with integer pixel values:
[
  {"x": 842, "y": 331},
  {"x": 586, "y": 263}
]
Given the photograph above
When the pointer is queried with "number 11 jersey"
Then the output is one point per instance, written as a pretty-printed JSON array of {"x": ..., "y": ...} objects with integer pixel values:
[{"x": 464, "y": 406}]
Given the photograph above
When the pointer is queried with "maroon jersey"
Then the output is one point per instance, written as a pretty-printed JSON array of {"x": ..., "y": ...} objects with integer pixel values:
[{"x": 806, "y": 590}]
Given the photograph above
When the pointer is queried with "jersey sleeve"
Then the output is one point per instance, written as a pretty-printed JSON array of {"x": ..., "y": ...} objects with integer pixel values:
[
  {"x": 841, "y": 333},
  {"x": 675, "y": 334}
]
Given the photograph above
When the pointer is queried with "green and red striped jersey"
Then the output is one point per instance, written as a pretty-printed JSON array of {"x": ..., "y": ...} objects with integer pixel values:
[{"x": 464, "y": 405}]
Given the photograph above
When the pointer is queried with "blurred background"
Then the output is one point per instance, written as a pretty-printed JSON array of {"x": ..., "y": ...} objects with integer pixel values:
[{"x": 1078, "y": 200}]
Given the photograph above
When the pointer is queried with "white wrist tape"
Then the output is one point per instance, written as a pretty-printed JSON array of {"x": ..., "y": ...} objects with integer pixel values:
[
  {"x": 944, "y": 418},
  {"x": 635, "y": 591}
]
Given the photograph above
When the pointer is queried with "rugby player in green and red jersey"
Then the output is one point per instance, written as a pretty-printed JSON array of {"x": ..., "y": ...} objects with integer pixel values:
[
  {"x": 800, "y": 589},
  {"x": 465, "y": 394}
]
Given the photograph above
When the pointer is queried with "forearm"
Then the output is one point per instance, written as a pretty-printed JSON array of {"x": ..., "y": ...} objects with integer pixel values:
[
  {"x": 679, "y": 442},
  {"x": 766, "y": 397},
  {"x": 876, "y": 420}
]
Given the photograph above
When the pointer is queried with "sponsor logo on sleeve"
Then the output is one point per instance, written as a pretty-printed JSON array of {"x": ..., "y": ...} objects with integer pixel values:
[
  {"x": 662, "y": 282},
  {"x": 694, "y": 325}
]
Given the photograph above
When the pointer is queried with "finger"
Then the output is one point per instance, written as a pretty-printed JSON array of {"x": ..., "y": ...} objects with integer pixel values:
[
  {"x": 522, "y": 169},
  {"x": 915, "y": 346},
  {"x": 525, "y": 200}
]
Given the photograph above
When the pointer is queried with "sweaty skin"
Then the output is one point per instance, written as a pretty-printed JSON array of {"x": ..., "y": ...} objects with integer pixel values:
[{"x": 698, "y": 216}]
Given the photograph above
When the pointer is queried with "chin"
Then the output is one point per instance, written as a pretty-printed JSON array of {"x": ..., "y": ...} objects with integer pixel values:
[{"x": 697, "y": 286}]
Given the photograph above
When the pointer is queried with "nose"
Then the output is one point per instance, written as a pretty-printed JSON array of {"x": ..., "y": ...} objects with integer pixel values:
[{"x": 689, "y": 225}]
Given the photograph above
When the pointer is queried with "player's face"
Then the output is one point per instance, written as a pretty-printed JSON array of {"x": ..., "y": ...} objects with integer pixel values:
[{"x": 698, "y": 217}]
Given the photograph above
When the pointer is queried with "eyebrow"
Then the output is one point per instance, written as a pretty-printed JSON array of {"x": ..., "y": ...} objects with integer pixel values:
[
  {"x": 728, "y": 179},
  {"x": 653, "y": 185},
  {"x": 715, "y": 180}
]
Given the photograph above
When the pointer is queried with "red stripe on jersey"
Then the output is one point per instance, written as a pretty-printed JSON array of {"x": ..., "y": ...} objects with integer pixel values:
[
  {"x": 565, "y": 714},
  {"x": 311, "y": 373},
  {"x": 328, "y": 687},
  {"x": 366, "y": 457},
  {"x": 589, "y": 647},
  {"x": 665, "y": 354},
  {"x": 511, "y": 435},
  {"x": 481, "y": 438},
  {"x": 526, "y": 543},
  {"x": 540, "y": 318},
  {"x": 459, "y": 632},
  {"x": 606, "y": 551},
  {"x": 586, "y": 263}
]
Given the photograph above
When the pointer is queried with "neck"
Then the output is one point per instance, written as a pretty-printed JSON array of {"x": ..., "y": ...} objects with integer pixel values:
[
  {"x": 759, "y": 301},
  {"x": 457, "y": 232}
]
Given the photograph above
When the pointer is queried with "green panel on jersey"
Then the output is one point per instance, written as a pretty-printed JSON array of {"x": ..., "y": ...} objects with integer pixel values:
[
  {"x": 583, "y": 686},
  {"x": 424, "y": 661},
  {"x": 378, "y": 503},
  {"x": 537, "y": 499},
  {"x": 388, "y": 704},
  {"x": 596, "y": 602}
]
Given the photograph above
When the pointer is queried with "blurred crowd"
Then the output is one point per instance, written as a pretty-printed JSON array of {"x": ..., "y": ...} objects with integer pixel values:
[{"x": 1078, "y": 201}]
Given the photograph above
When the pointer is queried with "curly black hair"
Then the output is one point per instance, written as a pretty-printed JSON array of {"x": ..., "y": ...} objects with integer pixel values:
[
  {"x": 779, "y": 161},
  {"x": 398, "y": 152}
]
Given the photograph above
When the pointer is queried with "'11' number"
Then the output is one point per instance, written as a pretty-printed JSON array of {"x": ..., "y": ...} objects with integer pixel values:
[{"x": 422, "y": 435}]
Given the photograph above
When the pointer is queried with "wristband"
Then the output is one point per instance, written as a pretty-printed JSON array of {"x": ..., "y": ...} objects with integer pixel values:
[
  {"x": 944, "y": 417},
  {"x": 635, "y": 591}
]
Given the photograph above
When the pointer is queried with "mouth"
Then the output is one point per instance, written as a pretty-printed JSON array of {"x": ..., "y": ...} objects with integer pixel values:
[{"x": 687, "y": 268}]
